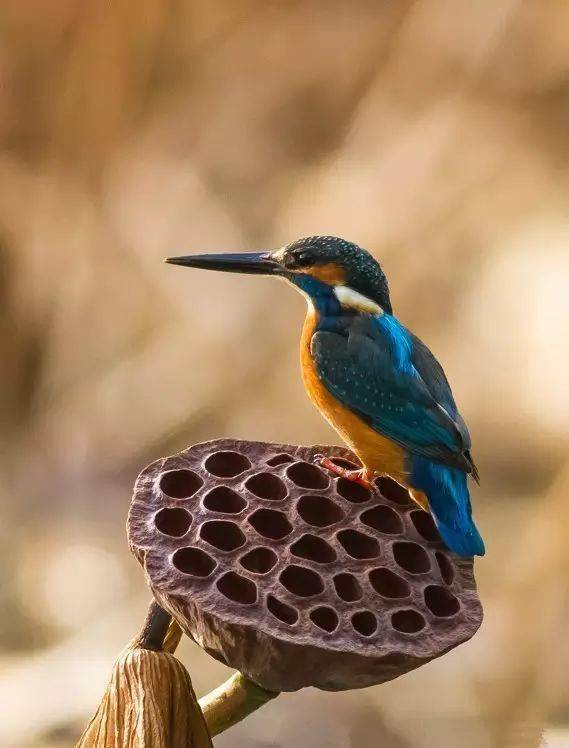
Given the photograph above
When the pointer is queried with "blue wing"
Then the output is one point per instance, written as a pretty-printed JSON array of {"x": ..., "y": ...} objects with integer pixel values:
[{"x": 379, "y": 370}]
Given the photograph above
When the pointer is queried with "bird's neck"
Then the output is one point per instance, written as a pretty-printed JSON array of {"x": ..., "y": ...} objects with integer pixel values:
[{"x": 320, "y": 296}]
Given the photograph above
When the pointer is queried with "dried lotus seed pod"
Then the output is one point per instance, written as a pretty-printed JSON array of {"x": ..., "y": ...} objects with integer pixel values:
[{"x": 293, "y": 576}]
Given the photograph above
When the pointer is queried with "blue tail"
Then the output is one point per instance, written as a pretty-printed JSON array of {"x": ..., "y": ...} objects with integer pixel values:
[{"x": 447, "y": 491}]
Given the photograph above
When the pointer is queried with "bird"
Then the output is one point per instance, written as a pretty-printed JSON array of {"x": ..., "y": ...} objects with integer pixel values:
[{"x": 372, "y": 379}]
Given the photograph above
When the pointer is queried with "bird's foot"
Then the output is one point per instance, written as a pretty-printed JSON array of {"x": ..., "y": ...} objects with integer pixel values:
[{"x": 364, "y": 476}]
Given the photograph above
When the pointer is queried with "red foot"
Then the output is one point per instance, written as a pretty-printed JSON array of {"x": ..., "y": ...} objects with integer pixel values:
[{"x": 363, "y": 477}]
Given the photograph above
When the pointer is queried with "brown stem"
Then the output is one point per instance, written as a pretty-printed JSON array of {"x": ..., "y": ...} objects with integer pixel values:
[
  {"x": 231, "y": 702},
  {"x": 155, "y": 628},
  {"x": 226, "y": 705}
]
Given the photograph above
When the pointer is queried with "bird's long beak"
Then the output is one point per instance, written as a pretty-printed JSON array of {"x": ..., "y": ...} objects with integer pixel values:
[{"x": 257, "y": 263}]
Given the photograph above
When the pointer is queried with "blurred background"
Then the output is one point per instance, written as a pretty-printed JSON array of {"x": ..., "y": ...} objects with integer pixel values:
[{"x": 432, "y": 132}]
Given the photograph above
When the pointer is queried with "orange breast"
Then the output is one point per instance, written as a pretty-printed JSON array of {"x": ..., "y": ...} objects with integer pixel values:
[{"x": 374, "y": 450}]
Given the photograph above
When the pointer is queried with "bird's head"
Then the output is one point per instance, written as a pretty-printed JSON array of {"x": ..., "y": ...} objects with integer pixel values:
[{"x": 320, "y": 266}]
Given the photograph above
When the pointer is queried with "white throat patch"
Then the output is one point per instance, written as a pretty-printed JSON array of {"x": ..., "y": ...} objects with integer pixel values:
[{"x": 354, "y": 300}]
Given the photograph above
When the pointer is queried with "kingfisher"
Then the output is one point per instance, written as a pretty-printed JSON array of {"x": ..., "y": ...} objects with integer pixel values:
[{"x": 372, "y": 379}]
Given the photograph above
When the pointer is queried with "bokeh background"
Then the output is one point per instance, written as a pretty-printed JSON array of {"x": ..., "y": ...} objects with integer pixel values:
[{"x": 432, "y": 132}]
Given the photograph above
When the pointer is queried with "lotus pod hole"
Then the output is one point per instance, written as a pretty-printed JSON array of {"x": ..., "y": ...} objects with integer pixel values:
[
  {"x": 347, "y": 587},
  {"x": 223, "y": 535},
  {"x": 294, "y": 576},
  {"x": 383, "y": 519},
  {"x": 352, "y": 491},
  {"x": 445, "y": 566},
  {"x": 319, "y": 511},
  {"x": 226, "y": 464},
  {"x": 325, "y": 618},
  {"x": 393, "y": 491},
  {"x": 270, "y": 523},
  {"x": 266, "y": 486},
  {"x": 440, "y": 601},
  {"x": 173, "y": 521},
  {"x": 285, "y": 613},
  {"x": 408, "y": 621},
  {"x": 259, "y": 560},
  {"x": 389, "y": 584},
  {"x": 306, "y": 475},
  {"x": 301, "y": 581},
  {"x": 279, "y": 460},
  {"x": 364, "y": 622},
  {"x": 357, "y": 544},
  {"x": 193, "y": 561},
  {"x": 238, "y": 588},
  {"x": 425, "y": 525},
  {"x": 180, "y": 484},
  {"x": 411, "y": 557},
  {"x": 225, "y": 500},
  {"x": 314, "y": 549}
]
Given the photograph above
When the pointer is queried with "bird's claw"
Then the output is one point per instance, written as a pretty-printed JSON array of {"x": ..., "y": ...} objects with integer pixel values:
[{"x": 363, "y": 476}]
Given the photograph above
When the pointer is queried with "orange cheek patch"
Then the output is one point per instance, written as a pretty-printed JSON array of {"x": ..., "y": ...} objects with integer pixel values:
[{"x": 330, "y": 273}]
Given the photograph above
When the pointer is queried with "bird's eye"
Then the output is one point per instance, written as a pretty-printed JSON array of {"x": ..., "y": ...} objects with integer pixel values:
[{"x": 300, "y": 259}]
